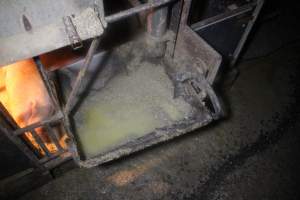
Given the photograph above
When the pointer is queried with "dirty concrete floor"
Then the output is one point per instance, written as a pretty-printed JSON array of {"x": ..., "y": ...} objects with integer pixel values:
[{"x": 252, "y": 154}]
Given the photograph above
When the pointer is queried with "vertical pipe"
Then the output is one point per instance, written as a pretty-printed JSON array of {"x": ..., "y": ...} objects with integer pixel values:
[{"x": 157, "y": 23}]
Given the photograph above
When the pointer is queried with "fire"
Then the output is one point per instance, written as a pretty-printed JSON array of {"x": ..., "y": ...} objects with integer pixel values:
[{"x": 24, "y": 95}]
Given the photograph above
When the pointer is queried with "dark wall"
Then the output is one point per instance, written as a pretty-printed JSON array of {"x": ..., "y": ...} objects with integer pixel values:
[{"x": 12, "y": 159}]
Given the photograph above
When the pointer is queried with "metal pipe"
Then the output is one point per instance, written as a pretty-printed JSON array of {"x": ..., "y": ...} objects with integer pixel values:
[
  {"x": 136, "y": 10},
  {"x": 78, "y": 83},
  {"x": 53, "y": 119},
  {"x": 157, "y": 22},
  {"x": 142, "y": 15}
]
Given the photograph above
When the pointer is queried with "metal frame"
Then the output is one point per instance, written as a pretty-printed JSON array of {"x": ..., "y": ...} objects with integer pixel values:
[
  {"x": 222, "y": 17},
  {"x": 61, "y": 116},
  {"x": 212, "y": 62},
  {"x": 72, "y": 99},
  {"x": 57, "y": 35},
  {"x": 255, "y": 6},
  {"x": 11, "y": 124},
  {"x": 249, "y": 27},
  {"x": 16, "y": 134},
  {"x": 199, "y": 53}
]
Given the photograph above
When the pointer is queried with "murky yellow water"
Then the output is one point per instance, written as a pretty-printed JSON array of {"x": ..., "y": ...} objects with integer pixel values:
[{"x": 130, "y": 106}]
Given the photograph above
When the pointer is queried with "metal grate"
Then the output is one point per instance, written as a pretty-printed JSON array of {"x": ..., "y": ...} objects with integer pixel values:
[{"x": 37, "y": 149}]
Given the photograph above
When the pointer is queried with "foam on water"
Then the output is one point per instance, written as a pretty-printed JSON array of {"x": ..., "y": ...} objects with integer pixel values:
[{"x": 132, "y": 104}]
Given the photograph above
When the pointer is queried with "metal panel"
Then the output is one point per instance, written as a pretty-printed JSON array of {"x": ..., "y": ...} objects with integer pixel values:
[
  {"x": 235, "y": 25},
  {"x": 32, "y": 27},
  {"x": 195, "y": 48}
]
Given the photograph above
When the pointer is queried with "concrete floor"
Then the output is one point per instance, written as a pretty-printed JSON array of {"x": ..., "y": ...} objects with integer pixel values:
[{"x": 252, "y": 154}]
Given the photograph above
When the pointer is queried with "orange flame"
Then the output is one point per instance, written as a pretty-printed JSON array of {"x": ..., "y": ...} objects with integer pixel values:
[{"x": 24, "y": 95}]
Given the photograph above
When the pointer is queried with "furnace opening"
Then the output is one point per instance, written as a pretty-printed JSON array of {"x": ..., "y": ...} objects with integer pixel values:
[{"x": 25, "y": 97}]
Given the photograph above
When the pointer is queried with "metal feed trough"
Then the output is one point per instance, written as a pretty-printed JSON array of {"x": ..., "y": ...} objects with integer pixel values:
[{"x": 169, "y": 71}]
